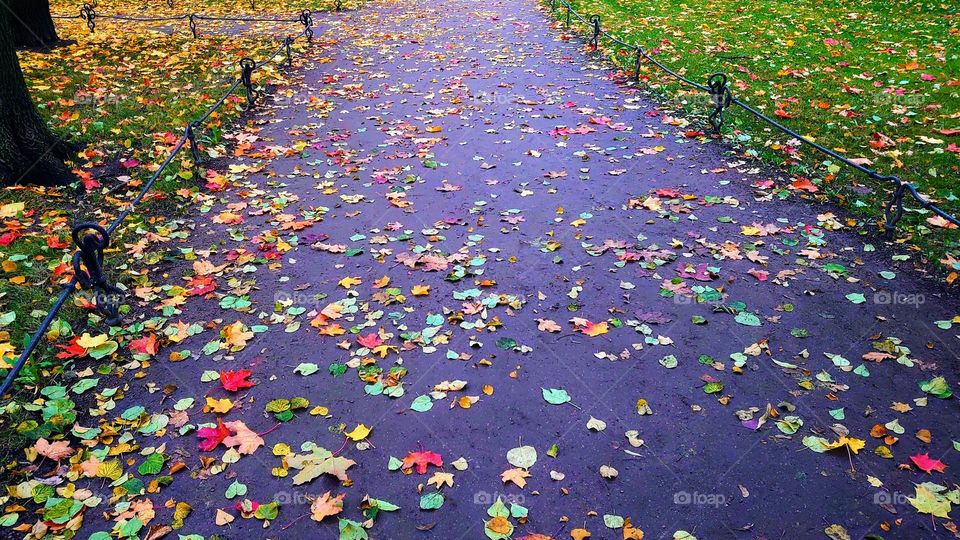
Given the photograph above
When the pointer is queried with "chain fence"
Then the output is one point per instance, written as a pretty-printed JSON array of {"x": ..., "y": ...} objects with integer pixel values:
[
  {"x": 718, "y": 88},
  {"x": 89, "y": 14},
  {"x": 91, "y": 239}
]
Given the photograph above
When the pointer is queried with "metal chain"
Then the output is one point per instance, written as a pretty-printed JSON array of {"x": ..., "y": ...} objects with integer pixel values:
[
  {"x": 89, "y": 14},
  {"x": 91, "y": 239},
  {"x": 247, "y": 65},
  {"x": 719, "y": 90},
  {"x": 306, "y": 19},
  {"x": 720, "y": 94}
]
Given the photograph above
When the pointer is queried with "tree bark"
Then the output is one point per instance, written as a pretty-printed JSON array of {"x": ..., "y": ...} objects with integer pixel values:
[
  {"x": 29, "y": 151},
  {"x": 31, "y": 23}
]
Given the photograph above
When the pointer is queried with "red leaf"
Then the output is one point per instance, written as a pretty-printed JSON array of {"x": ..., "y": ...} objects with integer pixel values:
[
  {"x": 804, "y": 184},
  {"x": 55, "y": 242},
  {"x": 72, "y": 350},
  {"x": 235, "y": 380},
  {"x": 370, "y": 341},
  {"x": 928, "y": 464},
  {"x": 212, "y": 436},
  {"x": 421, "y": 460},
  {"x": 145, "y": 345}
]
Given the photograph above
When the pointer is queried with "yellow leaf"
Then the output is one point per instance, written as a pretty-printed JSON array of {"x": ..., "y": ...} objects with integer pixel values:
[
  {"x": 518, "y": 476},
  {"x": 420, "y": 290},
  {"x": 110, "y": 469},
  {"x": 223, "y": 518},
  {"x": 500, "y": 525},
  {"x": 220, "y": 406},
  {"x": 359, "y": 433},
  {"x": 580, "y": 534},
  {"x": 349, "y": 282},
  {"x": 440, "y": 478},
  {"x": 89, "y": 342},
  {"x": 11, "y": 209}
]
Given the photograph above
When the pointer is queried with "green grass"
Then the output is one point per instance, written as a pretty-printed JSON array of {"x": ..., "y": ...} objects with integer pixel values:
[
  {"x": 870, "y": 80},
  {"x": 124, "y": 96}
]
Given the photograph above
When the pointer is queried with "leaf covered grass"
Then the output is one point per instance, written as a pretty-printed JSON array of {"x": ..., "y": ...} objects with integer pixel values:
[
  {"x": 124, "y": 93},
  {"x": 878, "y": 85}
]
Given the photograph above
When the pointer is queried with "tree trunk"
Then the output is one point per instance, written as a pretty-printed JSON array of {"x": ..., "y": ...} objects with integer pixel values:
[
  {"x": 29, "y": 151},
  {"x": 31, "y": 23}
]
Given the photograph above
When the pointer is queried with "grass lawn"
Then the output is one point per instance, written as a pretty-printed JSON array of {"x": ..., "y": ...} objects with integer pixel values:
[
  {"x": 876, "y": 82},
  {"x": 124, "y": 92}
]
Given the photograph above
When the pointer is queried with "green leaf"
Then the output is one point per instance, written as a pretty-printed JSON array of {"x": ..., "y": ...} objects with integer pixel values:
[
  {"x": 713, "y": 388},
  {"x": 938, "y": 387},
  {"x": 790, "y": 424},
  {"x": 267, "y": 511},
  {"x": 612, "y": 521},
  {"x": 431, "y": 501},
  {"x": 498, "y": 509},
  {"x": 152, "y": 465},
  {"x": 747, "y": 319},
  {"x": 83, "y": 385},
  {"x": 555, "y": 396},
  {"x": 522, "y": 456},
  {"x": 351, "y": 530},
  {"x": 856, "y": 298},
  {"x": 306, "y": 368},
  {"x": 422, "y": 404},
  {"x": 236, "y": 489}
]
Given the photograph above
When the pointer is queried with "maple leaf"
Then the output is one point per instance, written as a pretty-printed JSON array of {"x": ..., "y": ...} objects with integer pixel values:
[
  {"x": 212, "y": 436},
  {"x": 243, "y": 437},
  {"x": 928, "y": 502},
  {"x": 145, "y": 345},
  {"x": 518, "y": 476},
  {"x": 324, "y": 506},
  {"x": 234, "y": 381},
  {"x": 236, "y": 336},
  {"x": 320, "y": 461},
  {"x": 440, "y": 478},
  {"x": 547, "y": 325},
  {"x": 927, "y": 464},
  {"x": 422, "y": 459},
  {"x": 420, "y": 290},
  {"x": 348, "y": 282},
  {"x": 370, "y": 341},
  {"x": 55, "y": 450}
]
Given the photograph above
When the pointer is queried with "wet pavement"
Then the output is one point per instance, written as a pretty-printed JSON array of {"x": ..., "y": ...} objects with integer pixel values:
[{"x": 572, "y": 236}]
